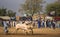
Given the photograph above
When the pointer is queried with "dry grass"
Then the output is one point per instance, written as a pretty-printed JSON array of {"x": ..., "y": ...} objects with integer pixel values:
[{"x": 43, "y": 32}]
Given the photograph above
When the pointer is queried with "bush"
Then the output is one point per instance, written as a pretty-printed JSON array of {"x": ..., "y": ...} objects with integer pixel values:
[{"x": 1, "y": 25}]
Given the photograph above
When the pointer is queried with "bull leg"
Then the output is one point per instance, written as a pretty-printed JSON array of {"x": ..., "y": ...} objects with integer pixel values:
[
  {"x": 26, "y": 31},
  {"x": 17, "y": 30},
  {"x": 31, "y": 31}
]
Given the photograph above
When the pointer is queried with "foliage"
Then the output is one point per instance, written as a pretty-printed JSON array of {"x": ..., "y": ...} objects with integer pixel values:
[
  {"x": 32, "y": 6},
  {"x": 11, "y": 13},
  {"x": 1, "y": 24},
  {"x": 4, "y": 12},
  {"x": 54, "y": 7}
]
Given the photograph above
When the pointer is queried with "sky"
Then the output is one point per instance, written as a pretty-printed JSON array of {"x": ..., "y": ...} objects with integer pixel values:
[{"x": 15, "y": 4}]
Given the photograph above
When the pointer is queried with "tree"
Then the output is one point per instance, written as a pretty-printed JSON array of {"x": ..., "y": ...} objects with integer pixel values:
[
  {"x": 3, "y": 12},
  {"x": 32, "y": 6},
  {"x": 53, "y": 7},
  {"x": 11, "y": 13}
]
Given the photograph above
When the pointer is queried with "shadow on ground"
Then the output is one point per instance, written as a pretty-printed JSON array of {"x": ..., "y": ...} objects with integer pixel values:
[{"x": 21, "y": 34}]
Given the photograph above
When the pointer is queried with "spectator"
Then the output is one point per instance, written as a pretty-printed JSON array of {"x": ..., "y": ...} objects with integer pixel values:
[
  {"x": 48, "y": 23},
  {"x": 53, "y": 24},
  {"x": 42, "y": 23},
  {"x": 5, "y": 27},
  {"x": 39, "y": 23}
]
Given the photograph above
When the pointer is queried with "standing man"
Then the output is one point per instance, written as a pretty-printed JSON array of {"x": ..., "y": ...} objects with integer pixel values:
[
  {"x": 39, "y": 23},
  {"x": 53, "y": 24},
  {"x": 42, "y": 23},
  {"x": 5, "y": 26}
]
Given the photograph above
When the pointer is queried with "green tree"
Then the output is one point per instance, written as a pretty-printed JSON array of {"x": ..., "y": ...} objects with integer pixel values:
[
  {"x": 3, "y": 12},
  {"x": 53, "y": 7},
  {"x": 32, "y": 6},
  {"x": 11, "y": 13}
]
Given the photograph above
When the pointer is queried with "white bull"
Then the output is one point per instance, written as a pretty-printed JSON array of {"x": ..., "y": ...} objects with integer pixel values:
[{"x": 25, "y": 27}]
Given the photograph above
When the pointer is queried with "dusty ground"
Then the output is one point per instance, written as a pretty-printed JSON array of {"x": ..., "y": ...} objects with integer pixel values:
[{"x": 41, "y": 32}]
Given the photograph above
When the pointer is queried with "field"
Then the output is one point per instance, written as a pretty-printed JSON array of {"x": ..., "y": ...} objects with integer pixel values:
[{"x": 41, "y": 32}]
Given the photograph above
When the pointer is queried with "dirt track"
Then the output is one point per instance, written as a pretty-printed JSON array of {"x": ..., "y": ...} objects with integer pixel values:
[{"x": 42, "y": 32}]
